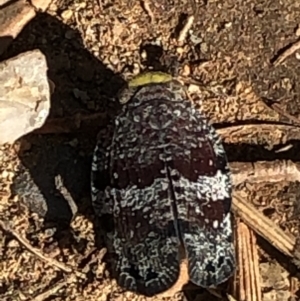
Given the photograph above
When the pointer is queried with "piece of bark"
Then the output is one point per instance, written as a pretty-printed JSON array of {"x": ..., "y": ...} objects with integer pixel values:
[
  {"x": 265, "y": 171},
  {"x": 265, "y": 134},
  {"x": 13, "y": 18},
  {"x": 184, "y": 31},
  {"x": 248, "y": 263},
  {"x": 285, "y": 54},
  {"x": 24, "y": 95}
]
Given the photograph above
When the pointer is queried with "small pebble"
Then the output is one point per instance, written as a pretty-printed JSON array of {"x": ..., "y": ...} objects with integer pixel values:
[
  {"x": 114, "y": 60},
  {"x": 143, "y": 55},
  {"x": 13, "y": 243},
  {"x": 193, "y": 89},
  {"x": 4, "y": 174},
  {"x": 73, "y": 142},
  {"x": 186, "y": 70},
  {"x": 91, "y": 105},
  {"x": 67, "y": 14},
  {"x": 81, "y": 5},
  {"x": 82, "y": 95},
  {"x": 298, "y": 31},
  {"x": 204, "y": 48},
  {"x": 195, "y": 39},
  {"x": 69, "y": 34},
  {"x": 50, "y": 232},
  {"x": 53, "y": 7},
  {"x": 179, "y": 50},
  {"x": 136, "y": 68}
]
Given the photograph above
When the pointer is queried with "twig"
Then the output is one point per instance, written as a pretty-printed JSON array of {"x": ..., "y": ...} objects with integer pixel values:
[
  {"x": 276, "y": 134},
  {"x": 66, "y": 194},
  {"x": 285, "y": 148},
  {"x": 51, "y": 291},
  {"x": 256, "y": 273},
  {"x": 294, "y": 287},
  {"x": 296, "y": 252},
  {"x": 265, "y": 171},
  {"x": 146, "y": 6},
  {"x": 240, "y": 259},
  {"x": 33, "y": 250},
  {"x": 185, "y": 29},
  {"x": 263, "y": 225},
  {"x": 96, "y": 258},
  {"x": 248, "y": 264},
  {"x": 288, "y": 52},
  {"x": 278, "y": 109},
  {"x": 230, "y": 298},
  {"x": 214, "y": 292}
]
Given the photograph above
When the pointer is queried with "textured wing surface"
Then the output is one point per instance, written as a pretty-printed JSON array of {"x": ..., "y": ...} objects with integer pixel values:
[
  {"x": 138, "y": 195},
  {"x": 146, "y": 239},
  {"x": 100, "y": 176},
  {"x": 202, "y": 188},
  {"x": 168, "y": 184}
]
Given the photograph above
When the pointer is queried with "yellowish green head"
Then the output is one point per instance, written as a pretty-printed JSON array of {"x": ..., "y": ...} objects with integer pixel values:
[
  {"x": 152, "y": 77},
  {"x": 143, "y": 79}
]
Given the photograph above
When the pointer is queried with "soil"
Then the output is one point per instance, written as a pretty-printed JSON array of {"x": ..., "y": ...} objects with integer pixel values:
[{"x": 92, "y": 47}]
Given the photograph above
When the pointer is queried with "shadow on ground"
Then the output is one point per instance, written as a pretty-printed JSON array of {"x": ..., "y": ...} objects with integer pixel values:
[
  {"x": 55, "y": 167},
  {"x": 52, "y": 164}
]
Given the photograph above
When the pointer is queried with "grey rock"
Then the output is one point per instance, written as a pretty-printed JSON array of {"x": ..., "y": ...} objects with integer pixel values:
[{"x": 24, "y": 95}]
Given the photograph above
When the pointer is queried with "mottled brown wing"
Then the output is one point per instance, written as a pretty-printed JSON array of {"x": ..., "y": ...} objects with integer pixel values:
[
  {"x": 202, "y": 192},
  {"x": 146, "y": 238},
  {"x": 168, "y": 184}
]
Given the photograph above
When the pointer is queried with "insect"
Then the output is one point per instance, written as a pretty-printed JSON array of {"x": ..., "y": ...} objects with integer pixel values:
[{"x": 164, "y": 181}]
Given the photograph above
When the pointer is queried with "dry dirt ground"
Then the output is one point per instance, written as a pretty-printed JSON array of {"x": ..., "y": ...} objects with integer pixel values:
[{"x": 92, "y": 47}]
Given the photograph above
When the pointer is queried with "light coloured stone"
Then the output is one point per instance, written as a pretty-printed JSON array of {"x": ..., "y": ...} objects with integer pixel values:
[
  {"x": 2, "y": 2},
  {"x": 40, "y": 5},
  {"x": 298, "y": 31},
  {"x": 67, "y": 14},
  {"x": 13, "y": 19},
  {"x": 24, "y": 95}
]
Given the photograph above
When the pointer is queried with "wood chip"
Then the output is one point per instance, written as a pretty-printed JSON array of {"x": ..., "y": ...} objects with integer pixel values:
[
  {"x": 267, "y": 134},
  {"x": 184, "y": 31},
  {"x": 49, "y": 292},
  {"x": 265, "y": 171},
  {"x": 262, "y": 225},
  {"x": 147, "y": 8},
  {"x": 249, "y": 276},
  {"x": 288, "y": 52}
]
